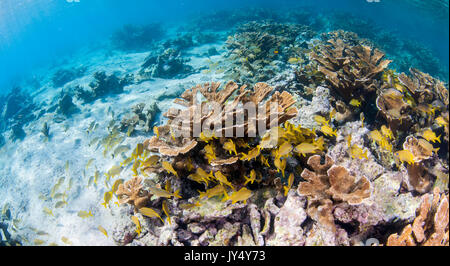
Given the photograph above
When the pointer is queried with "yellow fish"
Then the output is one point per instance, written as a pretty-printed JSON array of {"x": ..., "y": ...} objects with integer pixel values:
[
  {"x": 252, "y": 154},
  {"x": 107, "y": 197},
  {"x": 280, "y": 165},
  {"x": 190, "y": 205},
  {"x": 103, "y": 230},
  {"x": 116, "y": 184},
  {"x": 138, "y": 225},
  {"x": 223, "y": 179},
  {"x": 38, "y": 242},
  {"x": 431, "y": 136},
  {"x": 89, "y": 163},
  {"x": 114, "y": 171},
  {"x": 207, "y": 137},
  {"x": 264, "y": 161},
  {"x": 166, "y": 210},
  {"x": 305, "y": 148},
  {"x": 290, "y": 182},
  {"x": 357, "y": 152},
  {"x": 405, "y": 156},
  {"x": 242, "y": 195},
  {"x": 230, "y": 146},
  {"x": 84, "y": 214},
  {"x": 441, "y": 121},
  {"x": 355, "y": 103},
  {"x": 149, "y": 212},
  {"x": 250, "y": 179},
  {"x": 284, "y": 149},
  {"x": 60, "y": 204},
  {"x": 321, "y": 120},
  {"x": 168, "y": 167},
  {"x": 48, "y": 211},
  {"x": 387, "y": 132},
  {"x": 152, "y": 160},
  {"x": 215, "y": 191},
  {"x": 328, "y": 131},
  {"x": 156, "y": 131},
  {"x": 66, "y": 240},
  {"x": 127, "y": 161}
]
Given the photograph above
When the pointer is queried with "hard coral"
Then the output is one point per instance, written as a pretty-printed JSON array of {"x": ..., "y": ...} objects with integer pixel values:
[
  {"x": 430, "y": 227},
  {"x": 327, "y": 184},
  {"x": 349, "y": 69},
  {"x": 131, "y": 192}
]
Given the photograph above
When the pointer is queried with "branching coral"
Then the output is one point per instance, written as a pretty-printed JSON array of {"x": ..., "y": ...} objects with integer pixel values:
[
  {"x": 430, "y": 227},
  {"x": 102, "y": 86},
  {"x": 131, "y": 192},
  {"x": 327, "y": 184}
]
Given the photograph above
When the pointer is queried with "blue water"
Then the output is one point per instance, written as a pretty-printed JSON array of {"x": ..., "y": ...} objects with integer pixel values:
[{"x": 34, "y": 33}]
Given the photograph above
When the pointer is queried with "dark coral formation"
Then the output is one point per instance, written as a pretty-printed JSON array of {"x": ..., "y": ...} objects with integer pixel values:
[
  {"x": 102, "y": 86},
  {"x": 141, "y": 118},
  {"x": 63, "y": 76},
  {"x": 137, "y": 37}
]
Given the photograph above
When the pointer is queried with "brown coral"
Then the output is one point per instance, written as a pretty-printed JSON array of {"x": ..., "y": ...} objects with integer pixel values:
[
  {"x": 430, "y": 227},
  {"x": 329, "y": 182},
  {"x": 349, "y": 69},
  {"x": 395, "y": 110},
  {"x": 131, "y": 192}
]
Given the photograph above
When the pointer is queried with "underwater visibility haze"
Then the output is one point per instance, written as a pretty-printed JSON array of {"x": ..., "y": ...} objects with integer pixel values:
[{"x": 224, "y": 123}]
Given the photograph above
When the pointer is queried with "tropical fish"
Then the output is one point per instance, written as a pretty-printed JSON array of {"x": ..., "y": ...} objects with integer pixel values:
[
  {"x": 103, "y": 230},
  {"x": 138, "y": 225},
  {"x": 166, "y": 210},
  {"x": 212, "y": 192},
  {"x": 264, "y": 160},
  {"x": 355, "y": 102},
  {"x": 135, "y": 166},
  {"x": 431, "y": 136},
  {"x": 116, "y": 184},
  {"x": 66, "y": 240},
  {"x": 60, "y": 204},
  {"x": 149, "y": 212},
  {"x": 242, "y": 195},
  {"x": 357, "y": 152},
  {"x": 106, "y": 198},
  {"x": 223, "y": 179},
  {"x": 441, "y": 121},
  {"x": 152, "y": 160},
  {"x": 48, "y": 211},
  {"x": 67, "y": 167},
  {"x": 84, "y": 214},
  {"x": 156, "y": 131},
  {"x": 93, "y": 141},
  {"x": 114, "y": 171},
  {"x": 39, "y": 242},
  {"x": 163, "y": 193},
  {"x": 387, "y": 132},
  {"x": 405, "y": 156},
  {"x": 206, "y": 137},
  {"x": 280, "y": 165},
  {"x": 89, "y": 163},
  {"x": 120, "y": 149},
  {"x": 321, "y": 120},
  {"x": 190, "y": 205},
  {"x": 230, "y": 146},
  {"x": 284, "y": 149},
  {"x": 306, "y": 148},
  {"x": 294, "y": 60},
  {"x": 252, "y": 154},
  {"x": 127, "y": 161},
  {"x": 252, "y": 177},
  {"x": 289, "y": 185},
  {"x": 168, "y": 167},
  {"x": 328, "y": 131},
  {"x": 210, "y": 153}
]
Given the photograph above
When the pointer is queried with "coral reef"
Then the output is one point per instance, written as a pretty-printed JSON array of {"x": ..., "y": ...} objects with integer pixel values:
[
  {"x": 141, "y": 118},
  {"x": 168, "y": 64},
  {"x": 137, "y": 37},
  {"x": 63, "y": 76},
  {"x": 102, "y": 85}
]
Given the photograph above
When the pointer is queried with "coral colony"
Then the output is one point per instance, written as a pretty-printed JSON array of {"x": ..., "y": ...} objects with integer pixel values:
[{"x": 274, "y": 133}]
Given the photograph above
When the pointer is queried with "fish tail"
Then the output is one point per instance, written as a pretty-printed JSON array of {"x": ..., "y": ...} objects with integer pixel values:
[{"x": 176, "y": 194}]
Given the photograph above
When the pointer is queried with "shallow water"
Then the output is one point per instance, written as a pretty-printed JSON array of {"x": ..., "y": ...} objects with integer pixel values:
[{"x": 38, "y": 38}]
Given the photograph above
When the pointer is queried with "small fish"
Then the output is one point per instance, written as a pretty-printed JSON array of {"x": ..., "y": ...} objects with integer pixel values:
[
  {"x": 355, "y": 102},
  {"x": 210, "y": 153},
  {"x": 275, "y": 52},
  {"x": 284, "y": 149},
  {"x": 67, "y": 167},
  {"x": 212, "y": 192},
  {"x": 89, "y": 163},
  {"x": 91, "y": 126},
  {"x": 113, "y": 171},
  {"x": 149, "y": 212},
  {"x": 264, "y": 160},
  {"x": 103, "y": 230},
  {"x": 252, "y": 177},
  {"x": 387, "y": 132},
  {"x": 405, "y": 156},
  {"x": 321, "y": 120},
  {"x": 441, "y": 121},
  {"x": 39, "y": 242},
  {"x": 156, "y": 131},
  {"x": 242, "y": 195},
  {"x": 328, "y": 131},
  {"x": 84, "y": 214},
  {"x": 130, "y": 130},
  {"x": 280, "y": 165},
  {"x": 127, "y": 161},
  {"x": 166, "y": 210},
  {"x": 66, "y": 240},
  {"x": 138, "y": 225},
  {"x": 168, "y": 167},
  {"x": 431, "y": 136},
  {"x": 41, "y": 233},
  {"x": 60, "y": 204},
  {"x": 252, "y": 154},
  {"x": 93, "y": 141},
  {"x": 222, "y": 179},
  {"x": 48, "y": 211},
  {"x": 306, "y": 148},
  {"x": 357, "y": 152},
  {"x": 120, "y": 149},
  {"x": 230, "y": 146},
  {"x": 289, "y": 185},
  {"x": 107, "y": 197},
  {"x": 332, "y": 113},
  {"x": 207, "y": 137},
  {"x": 116, "y": 184},
  {"x": 294, "y": 60},
  {"x": 190, "y": 205}
]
